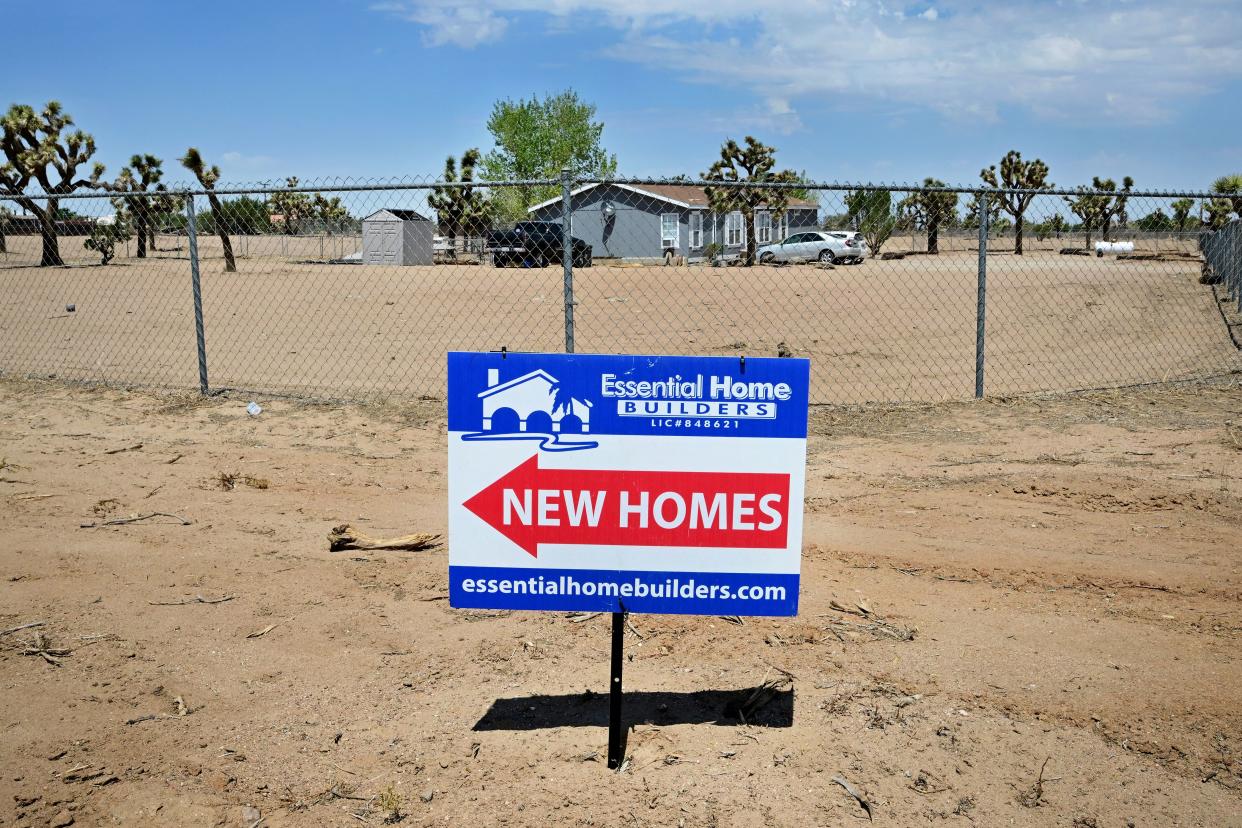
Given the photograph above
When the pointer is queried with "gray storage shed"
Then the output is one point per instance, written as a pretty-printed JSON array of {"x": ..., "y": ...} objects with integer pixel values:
[{"x": 397, "y": 237}]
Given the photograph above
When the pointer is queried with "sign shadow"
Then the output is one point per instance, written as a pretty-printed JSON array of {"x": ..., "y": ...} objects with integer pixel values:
[{"x": 726, "y": 708}]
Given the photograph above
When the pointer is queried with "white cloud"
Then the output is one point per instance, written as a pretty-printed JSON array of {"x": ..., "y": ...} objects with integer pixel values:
[
  {"x": 1129, "y": 61},
  {"x": 775, "y": 115},
  {"x": 449, "y": 23}
]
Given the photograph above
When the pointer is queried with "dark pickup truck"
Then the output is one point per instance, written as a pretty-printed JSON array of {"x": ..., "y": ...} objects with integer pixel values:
[{"x": 534, "y": 244}]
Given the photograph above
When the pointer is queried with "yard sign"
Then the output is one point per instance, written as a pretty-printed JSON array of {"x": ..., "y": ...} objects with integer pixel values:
[{"x": 626, "y": 483}]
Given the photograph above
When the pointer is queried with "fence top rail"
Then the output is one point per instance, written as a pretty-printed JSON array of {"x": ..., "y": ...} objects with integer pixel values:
[
  {"x": 910, "y": 188},
  {"x": 267, "y": 189},
  {"x": 345, "y": 186}
]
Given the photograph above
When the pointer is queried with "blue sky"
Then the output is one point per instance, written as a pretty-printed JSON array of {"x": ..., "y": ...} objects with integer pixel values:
[{"x": 848, "y": 90}]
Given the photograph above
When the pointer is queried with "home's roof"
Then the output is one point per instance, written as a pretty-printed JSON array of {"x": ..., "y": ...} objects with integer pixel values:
[
  {"x": 538, "y": 373},
  {"x": 404, "y": 215},
  {"x": 682, "y": 195},
  {"x": 504, "y": 386}
]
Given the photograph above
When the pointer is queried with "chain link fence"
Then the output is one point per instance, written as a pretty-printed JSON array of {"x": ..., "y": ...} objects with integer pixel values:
[{"x": 350, "y": 290}]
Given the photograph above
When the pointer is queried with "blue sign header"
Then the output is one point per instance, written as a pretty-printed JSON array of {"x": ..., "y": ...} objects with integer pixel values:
[{"x": 575, "y": 395}]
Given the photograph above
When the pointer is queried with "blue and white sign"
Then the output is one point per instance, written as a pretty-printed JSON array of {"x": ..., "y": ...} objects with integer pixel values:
[{"x": 645, "y": 483}]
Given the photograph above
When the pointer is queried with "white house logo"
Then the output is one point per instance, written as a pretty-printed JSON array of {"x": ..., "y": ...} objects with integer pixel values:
[{"x": 534, "y": 406}]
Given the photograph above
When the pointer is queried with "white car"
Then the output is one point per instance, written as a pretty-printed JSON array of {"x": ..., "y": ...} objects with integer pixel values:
[{"x": 832, "y": 246}]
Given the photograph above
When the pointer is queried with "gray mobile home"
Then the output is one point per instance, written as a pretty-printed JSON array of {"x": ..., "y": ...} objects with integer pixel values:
[
  {"x": 397, "y": 237},
  {"x": 629, "y": 221}
]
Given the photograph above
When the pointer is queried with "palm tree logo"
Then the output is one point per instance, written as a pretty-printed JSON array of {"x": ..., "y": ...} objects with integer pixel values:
[{"x": 563, "y": 396}]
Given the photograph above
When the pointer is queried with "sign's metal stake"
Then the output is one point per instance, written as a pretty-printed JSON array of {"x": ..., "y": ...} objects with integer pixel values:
[{"x": 616, "y": 730}]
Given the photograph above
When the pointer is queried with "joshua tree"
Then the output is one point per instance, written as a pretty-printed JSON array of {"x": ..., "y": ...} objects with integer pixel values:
[
  {"x": 462, "y": 210},
  {"x": 1090, "y": 207},
  {"x": 1117, "y": 209},
  {"x": 5, "y": 215},
  {"x": 1218, "y": 211},
  {"x": 37, "y": 149},
  {"x": 1181, "y": 213},
  {"x": 930, "y": 210},
  {"x": 1097, "y": 207},
  {"x": 971, "y": 220},
  {"x": 330, "y": 211},
  {"x": 751, "y": 164},
  {"x": 1123, "y": 216},
  {"x": 103, "y": 237},
  {"x": 140, "y": 176},
  {"x": 207, "y": 177},
  {"x": 292, "y": 207},
  {"x": 1019, "y": 175},
  {"x": 1230, "y": 186}
]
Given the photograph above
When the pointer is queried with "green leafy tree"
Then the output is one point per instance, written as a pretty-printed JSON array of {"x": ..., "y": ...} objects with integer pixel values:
[
  {"x": 143, "y": 173},
  {"x": 835, "y": 221},
  {"x": 103, "y": 238},
  {"x": 1230, "y": 187},
  {"x": 38, "y": 150},
  {"x": 294, "y": 208},
  {"x": 245, "y": 216},
  {"x": 1181, "y": 213},
  {"x": 1054, "y": 226},
  {"x": 870, "y": 212},
  {"x": 1020, "y": 175},
  {"x": 535, "y": 139},
  {"x": 463, "y": 210},
  {"x": 1045, "y": 230},
  {"x": 930, "y": 211},
  {"x": 748, "y": 165},
  {"x": 1157, "y": 221},
  {"x": 207, "y": 177}
]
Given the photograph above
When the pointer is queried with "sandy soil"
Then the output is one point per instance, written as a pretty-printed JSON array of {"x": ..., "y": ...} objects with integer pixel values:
[
  {"x": 887, "y": 330},
  {"x": 1050, "y": 583}
]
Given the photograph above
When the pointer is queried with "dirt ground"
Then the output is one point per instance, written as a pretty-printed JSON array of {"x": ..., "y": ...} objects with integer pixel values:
[
  {"x": 1020, "y": 585},
  {"x": 886, "y": 330}
]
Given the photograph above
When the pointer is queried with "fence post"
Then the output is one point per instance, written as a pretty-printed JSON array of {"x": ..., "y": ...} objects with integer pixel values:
[
  {"x": 198, "y": 295},
  {"x": 567, "y": 257},
  {"x": 981, "y": 298}
]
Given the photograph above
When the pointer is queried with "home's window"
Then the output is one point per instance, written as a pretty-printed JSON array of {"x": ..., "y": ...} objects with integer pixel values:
[
  {"x": 735, "y": 230},
  {"x": 763, "y": 227},
  {"x": 670, "y": 227},
  {"x": 696, "y": 230},
  {"x": 782, "y": 226}
]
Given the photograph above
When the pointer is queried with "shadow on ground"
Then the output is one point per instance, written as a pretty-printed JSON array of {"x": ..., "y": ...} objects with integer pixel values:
[{"x": 590, "y": 709}]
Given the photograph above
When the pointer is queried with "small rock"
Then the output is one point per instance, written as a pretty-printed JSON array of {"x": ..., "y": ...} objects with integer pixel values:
[
  {"x": 250, "y": 815},
  {"x": 428, "y": 795},
  {"x": 219, "y": 782},
  {"x": 62, "y": 819}
]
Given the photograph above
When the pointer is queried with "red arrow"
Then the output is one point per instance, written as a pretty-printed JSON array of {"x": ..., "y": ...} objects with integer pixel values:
[{"x": 530, "y": 506}]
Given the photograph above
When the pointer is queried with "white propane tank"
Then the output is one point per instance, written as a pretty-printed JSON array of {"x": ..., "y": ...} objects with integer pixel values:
[{"x": 1103, "y": 247}]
